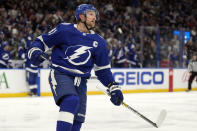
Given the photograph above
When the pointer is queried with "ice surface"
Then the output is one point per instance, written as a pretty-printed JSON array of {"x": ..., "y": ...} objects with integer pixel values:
[{"x": 40, "y": 113}]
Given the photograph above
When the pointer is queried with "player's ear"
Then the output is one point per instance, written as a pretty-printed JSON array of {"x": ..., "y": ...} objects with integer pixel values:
[{"x": 82, "y": 17}]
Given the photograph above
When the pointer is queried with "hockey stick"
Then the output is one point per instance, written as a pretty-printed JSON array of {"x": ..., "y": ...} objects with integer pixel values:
[{"x": 157, "y": 124}]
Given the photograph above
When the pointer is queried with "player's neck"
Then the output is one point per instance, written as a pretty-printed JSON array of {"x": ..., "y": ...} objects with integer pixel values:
[{"x": 81, "y": 27}]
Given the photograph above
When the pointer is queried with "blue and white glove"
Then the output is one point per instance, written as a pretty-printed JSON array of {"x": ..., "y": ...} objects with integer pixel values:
[
  {"x": 115, "y": 93},
  {"x": 37, "y": 57}
]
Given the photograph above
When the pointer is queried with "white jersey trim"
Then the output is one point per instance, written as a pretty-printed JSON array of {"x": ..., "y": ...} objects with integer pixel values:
[
  {"x": 46, "y": 48},
  {"x": 64, "y": 23},
  {"x": 33, "y": 65},
  {"x": 97, "y": 68},
  {"x": 68, "y": 69},
  {"x": 33, "y": 87},
  {"x": 20, "y": 48},
  {"x": 66, "y": 117},
  {"x": 31, "y": 70},
  {"x": 30, "y": 52},
  {"x": 53, "y": 81},
  {"x": 81, "y": 115},
  {"x": 121, "y": 61},
  {"x": 2, "y": 62}
]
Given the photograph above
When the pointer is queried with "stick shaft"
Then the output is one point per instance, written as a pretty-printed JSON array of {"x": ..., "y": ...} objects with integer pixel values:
[
  {"x": 132, "y": 109},
  {"x": 139, "y": 114}
]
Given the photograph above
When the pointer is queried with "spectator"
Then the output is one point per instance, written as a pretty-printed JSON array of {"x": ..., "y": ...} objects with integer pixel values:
[
  {"x": 119, "y": 57},
  {"x": 4, "y": 55},
  {"x": 132, "y": 58},
  {"x": 129, "y": 16}
]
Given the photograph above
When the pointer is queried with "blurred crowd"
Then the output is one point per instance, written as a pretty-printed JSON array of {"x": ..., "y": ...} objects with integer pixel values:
[{"x": 130, "y": 27}]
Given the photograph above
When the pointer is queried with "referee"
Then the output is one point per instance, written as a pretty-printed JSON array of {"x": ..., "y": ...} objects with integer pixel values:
[{"x": 192, "y": 68}]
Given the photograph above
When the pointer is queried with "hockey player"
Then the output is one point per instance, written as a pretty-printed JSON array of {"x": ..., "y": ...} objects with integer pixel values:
[
  {"x": 132, "y": 59},
  {"x": 76, "y": 49},
  {"x": 2, "y": 39},
  {"x": 5, "y": 55},
  {"x": 119, "y": 57},
  {"x": 192, "y": 68},
  {"x": 31, "y": 70}
]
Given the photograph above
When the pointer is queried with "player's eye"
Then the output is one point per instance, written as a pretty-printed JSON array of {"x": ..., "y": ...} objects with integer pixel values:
[{"x": 91, "y": 13}]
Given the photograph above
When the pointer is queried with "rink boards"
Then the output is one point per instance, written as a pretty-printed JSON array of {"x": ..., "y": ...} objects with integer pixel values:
[{"x": 13, "y": 84}]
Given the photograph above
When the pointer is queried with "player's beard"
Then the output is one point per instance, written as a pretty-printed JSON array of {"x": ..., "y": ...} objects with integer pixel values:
[{"x": 91, "y": 24}]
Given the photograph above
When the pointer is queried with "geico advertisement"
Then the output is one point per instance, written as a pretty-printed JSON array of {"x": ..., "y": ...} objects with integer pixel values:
[
  {"x": 12, "y": 81},
  {"x": 142, "y": 78},
  {"x": 127, "y": 78},
  {"x": 181, "y": 77},
  {"x": 137, "y": 79}
]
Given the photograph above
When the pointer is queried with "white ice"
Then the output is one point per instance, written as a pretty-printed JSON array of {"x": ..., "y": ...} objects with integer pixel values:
[{"x": 40, "y": 113}]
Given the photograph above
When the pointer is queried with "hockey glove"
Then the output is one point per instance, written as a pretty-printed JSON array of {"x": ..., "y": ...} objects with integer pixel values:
[
  {"x": 115, "y": 93},
  {"x": 38, "y": 56}
]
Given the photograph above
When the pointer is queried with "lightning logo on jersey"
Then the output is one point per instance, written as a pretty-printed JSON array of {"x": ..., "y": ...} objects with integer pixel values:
[
  {"x": 80, "y": 56},
  {"x": 5, "y": 56}
]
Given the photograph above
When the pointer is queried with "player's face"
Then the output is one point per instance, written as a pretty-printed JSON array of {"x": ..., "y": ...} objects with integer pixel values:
[
  {"x": 90, "y": 19},
  {"x": 6, "y": 48}
]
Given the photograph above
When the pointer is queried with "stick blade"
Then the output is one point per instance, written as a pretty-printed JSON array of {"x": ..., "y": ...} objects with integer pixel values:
[{"x": 161, "y": 118}]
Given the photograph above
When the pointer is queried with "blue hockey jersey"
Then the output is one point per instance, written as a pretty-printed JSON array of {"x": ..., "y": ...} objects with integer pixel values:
[
  {"x": 76, "y": 53},
  {"x": 25, "y": 43},
  {"x": 22, "y": 51},
  {"x": 4, "y": 56}
]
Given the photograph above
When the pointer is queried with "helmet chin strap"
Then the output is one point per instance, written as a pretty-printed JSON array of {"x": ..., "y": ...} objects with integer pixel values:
[{"x": 87, "y": 26}]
